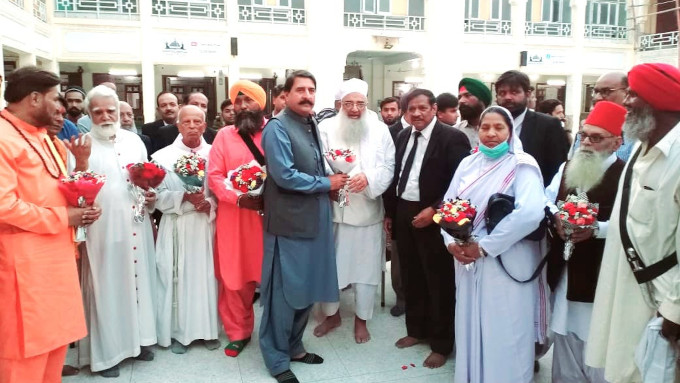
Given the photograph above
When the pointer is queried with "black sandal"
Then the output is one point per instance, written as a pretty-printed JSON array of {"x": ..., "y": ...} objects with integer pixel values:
[
  {"x": 309, "y": 358},
  {"x": 286, "y": 377}
]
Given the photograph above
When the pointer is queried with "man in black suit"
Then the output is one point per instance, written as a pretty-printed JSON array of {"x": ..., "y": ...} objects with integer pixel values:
[
  {"x": 542, "y": 136},
  {"x": 427, "y": 155},
  {"x": 167, "y": 106},
  {"x": 167, "y": 134}
]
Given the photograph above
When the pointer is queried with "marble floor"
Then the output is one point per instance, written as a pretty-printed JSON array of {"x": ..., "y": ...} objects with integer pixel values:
[{"x": 345, "y": 361}]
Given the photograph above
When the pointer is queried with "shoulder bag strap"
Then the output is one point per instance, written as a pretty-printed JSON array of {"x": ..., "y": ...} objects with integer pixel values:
[
  {"x": 642, "y": 273},
  {"x": 536, "y": 273},
  {"x": 259, "y": 157}
]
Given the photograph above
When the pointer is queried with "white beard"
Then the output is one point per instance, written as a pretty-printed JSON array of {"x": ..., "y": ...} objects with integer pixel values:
[
  {"x": 351, "y": 131},
  {"x": 639, "y": 124},
  {"x": 584, "y": 171},
  {"x": 105, "y": 131}
]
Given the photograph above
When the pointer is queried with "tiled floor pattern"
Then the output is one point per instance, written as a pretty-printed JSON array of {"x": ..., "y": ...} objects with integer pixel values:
[{"x": 345, "y": 361}]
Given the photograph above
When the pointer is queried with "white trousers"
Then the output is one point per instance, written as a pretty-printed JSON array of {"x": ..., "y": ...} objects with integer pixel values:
[
  {"x": 569, "y": 362},
  {"x": 364, "y": 300}
]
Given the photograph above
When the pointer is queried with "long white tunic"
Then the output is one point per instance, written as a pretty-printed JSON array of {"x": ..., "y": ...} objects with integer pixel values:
[
  {"x": 567, "y": 316},
  {"x": 186, "y": 286},
  {"x": 359, "y": 238},
  {"x": 621, "y": 309},
  {"x": 495, "y": 329},
  {"x": 119, "y": 269}
]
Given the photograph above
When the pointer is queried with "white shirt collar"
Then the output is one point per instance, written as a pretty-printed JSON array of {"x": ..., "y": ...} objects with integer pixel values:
[
  {"x": 665, "y": 144},
  {"x": 520, "y": 119},
  {"x": 427, "y": 132},
  {"x": 609, "y": 161},
  {"x": 404, "y": 124},
  {"x": 180, "y": 144}
]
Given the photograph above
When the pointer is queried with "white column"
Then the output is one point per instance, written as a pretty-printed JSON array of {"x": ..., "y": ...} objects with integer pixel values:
[
  {"x": 325, "y": 28},
  {"x": 149, "y": 91},
  {"x": 574, "y": 99},
  {"x": 377, "y": 90},
  {"x": 442, "y": 66},
  {"x": 575, "y": 80},
  {"x": 26, "y": 59},
  {"x": 518, "y": 15}
]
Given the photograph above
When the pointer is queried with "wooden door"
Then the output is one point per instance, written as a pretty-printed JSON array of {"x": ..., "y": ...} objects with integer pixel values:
[{"x": 183, "y": 86}]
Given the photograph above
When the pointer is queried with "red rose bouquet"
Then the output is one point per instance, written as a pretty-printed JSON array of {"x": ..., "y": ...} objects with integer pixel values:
[
  {"x": 247, "y": 179},
  {"x": 80, "y": 190},
  {"x": 191, "y": 170},
  {"x": 145, "y": 176},
  {"x": 576, "y": 213},
  {"x": 456, "y": 217},
  {"x": 341, "y": 161}
]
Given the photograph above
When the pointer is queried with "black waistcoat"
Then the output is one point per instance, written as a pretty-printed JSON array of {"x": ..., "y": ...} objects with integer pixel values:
[{"x": 583, "y": 267}]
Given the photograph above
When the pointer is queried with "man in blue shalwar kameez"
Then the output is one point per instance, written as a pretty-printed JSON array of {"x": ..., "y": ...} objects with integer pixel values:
[{"x": 299, "y": 253}]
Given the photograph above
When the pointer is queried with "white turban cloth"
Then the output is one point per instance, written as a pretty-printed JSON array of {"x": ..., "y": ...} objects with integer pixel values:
[{"x": 353, "y": 85}]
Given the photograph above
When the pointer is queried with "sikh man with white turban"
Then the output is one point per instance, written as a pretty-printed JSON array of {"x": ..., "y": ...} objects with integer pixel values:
[{"x": 359, "y": 239}]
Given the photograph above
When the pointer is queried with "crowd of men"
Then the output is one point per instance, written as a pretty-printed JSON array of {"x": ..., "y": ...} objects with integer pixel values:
[{"x": 197, "y": 259}]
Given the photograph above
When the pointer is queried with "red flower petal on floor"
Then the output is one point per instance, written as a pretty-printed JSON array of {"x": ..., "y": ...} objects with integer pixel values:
[
  {"x": 413, "y": 365},
  {"x": 404, "y": 367}
]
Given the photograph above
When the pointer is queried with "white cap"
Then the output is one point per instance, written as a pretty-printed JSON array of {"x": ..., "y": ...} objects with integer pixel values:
[{"x": 353, "y": 85}]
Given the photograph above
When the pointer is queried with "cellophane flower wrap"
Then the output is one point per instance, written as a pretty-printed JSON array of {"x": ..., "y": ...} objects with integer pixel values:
[
  {"x": 144, "y": 176},
  {"x": 341, "y": 161},
  {"x": 80, "y": 190},
  {"x": 247, "y": 179},
  {"x": 576, "y": 213},
  {"x": 190, "y": 168}
]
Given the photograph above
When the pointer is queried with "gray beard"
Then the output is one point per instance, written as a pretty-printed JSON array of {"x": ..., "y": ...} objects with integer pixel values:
[
  {"x": 584, "y": 171},
  {"x": 105, "y": 131},
  {"x": 639, "y": 124},
  {"x": 352, "y": 131}
]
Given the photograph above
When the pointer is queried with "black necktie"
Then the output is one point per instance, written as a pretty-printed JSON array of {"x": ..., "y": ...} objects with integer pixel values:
[{"x": 403, "y": 179}]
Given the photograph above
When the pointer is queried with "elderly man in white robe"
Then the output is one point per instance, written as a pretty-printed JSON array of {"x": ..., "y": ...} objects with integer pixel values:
[
  {"x": 359, "y": 239},
  {"x": 118, "y": 269},
  {"x": 186, "y": 285}
]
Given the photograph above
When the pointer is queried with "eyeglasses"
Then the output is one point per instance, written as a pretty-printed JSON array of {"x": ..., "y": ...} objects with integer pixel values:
[
  {"x": 605, "y": 91},
  {"x": 594, "y": 138},
  {"x": 350, "y": 105}
]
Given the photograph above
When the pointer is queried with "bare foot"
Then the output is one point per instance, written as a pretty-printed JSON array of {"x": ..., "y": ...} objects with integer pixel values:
[
  {"x": 361, "y": 334},
  {"x": 407, "y": 341},
  {"x": 434, "y": 360},
  {"x": 327, "y": 325}
]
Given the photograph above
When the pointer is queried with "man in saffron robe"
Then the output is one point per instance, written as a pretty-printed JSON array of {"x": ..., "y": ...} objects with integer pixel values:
[
  {"x": 42, "y": 311},
  {"x": 238, "y": 250}
]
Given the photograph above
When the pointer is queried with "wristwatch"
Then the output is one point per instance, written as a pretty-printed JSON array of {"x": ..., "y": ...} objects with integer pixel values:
[
  {"x": 596, "y": 230},
  {"x": 482, "y": 252}
]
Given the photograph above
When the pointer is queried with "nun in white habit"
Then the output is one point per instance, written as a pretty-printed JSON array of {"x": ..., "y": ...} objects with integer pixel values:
[{"x": 497, "y": 318}]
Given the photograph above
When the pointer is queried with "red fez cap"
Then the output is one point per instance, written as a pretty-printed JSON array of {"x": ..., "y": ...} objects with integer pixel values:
[
  {"x": 658, "y": 84},
  {"x": 608, "y": 116}
]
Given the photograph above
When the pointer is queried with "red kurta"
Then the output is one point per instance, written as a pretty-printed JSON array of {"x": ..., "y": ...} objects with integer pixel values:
[
  {"x": 238, "y": 232},
  {"x": 39, "y": 290}
]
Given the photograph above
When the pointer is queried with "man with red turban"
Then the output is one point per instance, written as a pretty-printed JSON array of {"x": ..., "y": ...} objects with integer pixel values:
[
  {"x": 238, "y": 239},
  {"x": 595, "y": 171},
  {"x": 635, "y": 325}
]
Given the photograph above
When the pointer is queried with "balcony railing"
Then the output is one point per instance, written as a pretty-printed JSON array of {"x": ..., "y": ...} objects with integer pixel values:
[
  {"x": 600, "y": 31},
  {"x": 18, "y": 3},
  {"x": 488, "y": 27},
  {"x": 547, "y": 28},
  {"x": 274, "y": 15},
  {"x": 40, "y": 10},
  {"x": 98, "y": 9},
  {"x": 658, "y": 41},
  {"x": 373, "y": 21},
  {"x": 188, "y": 9}
]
